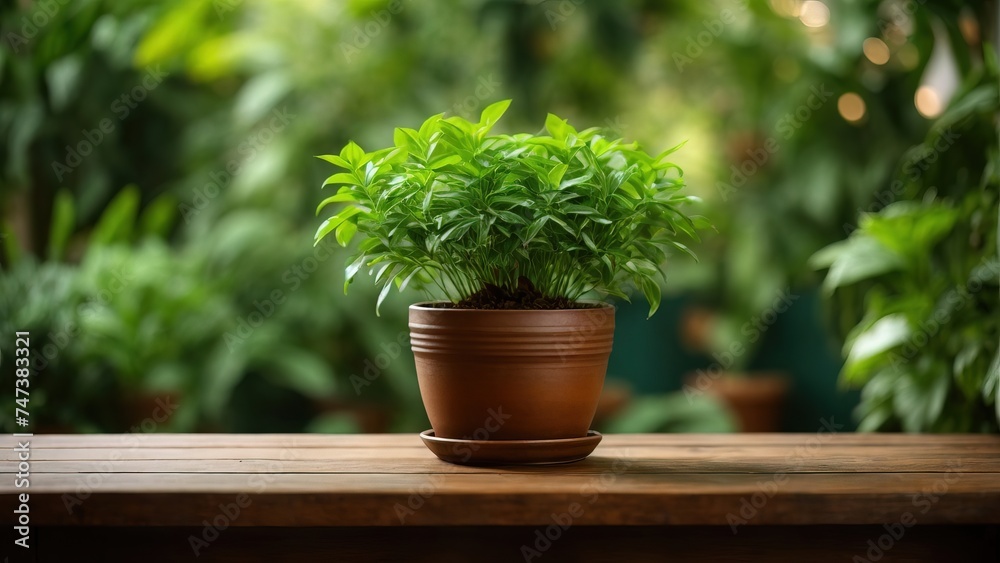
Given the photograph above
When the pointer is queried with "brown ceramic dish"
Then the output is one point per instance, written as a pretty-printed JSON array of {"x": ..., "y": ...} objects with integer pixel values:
[
  {"x": 511, "y": 452},
  {"x": 511, "y": 374}
]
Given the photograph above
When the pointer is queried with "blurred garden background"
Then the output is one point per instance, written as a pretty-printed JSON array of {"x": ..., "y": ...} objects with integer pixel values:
[{"x": 159, "y": 187}]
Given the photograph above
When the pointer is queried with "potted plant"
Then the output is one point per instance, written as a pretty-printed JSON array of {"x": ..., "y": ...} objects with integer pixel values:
[
  {"x": 755, "y": 397},
  {"x": 514, "y": 231}
]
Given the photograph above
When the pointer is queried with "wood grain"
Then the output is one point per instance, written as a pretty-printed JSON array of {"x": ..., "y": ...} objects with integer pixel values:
[
  {"x": 392, "y": 500},
  {"x": 140, "y": 440},
  {"x": 392, "y": 480},
  {"x": 652, "y": 461}
]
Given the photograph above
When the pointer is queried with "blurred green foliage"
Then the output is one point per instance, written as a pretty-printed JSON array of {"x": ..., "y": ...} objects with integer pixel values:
[
  {"x": 157, "y": 193},
  {"x": 925, "y": 271}
]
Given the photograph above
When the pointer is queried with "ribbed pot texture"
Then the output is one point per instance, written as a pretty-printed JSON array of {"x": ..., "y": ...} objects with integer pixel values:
[{"x": 511, "y": 374}]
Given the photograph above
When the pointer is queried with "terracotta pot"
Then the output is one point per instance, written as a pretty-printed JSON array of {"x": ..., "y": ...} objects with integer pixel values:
[
  {"x": 756, "y": 400},
  {"x": 511, "y": 374},
  {"x": 697, "y": 325}
]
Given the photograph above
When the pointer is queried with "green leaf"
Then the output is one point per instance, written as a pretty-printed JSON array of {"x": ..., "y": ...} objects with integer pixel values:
[
  {"x": 158, "y": 217},
  {"x": 661, "y": 163},
  {"x": 991, "y": 383},
  {"x": 406, "y": 280},
  {"x": 345, "y": 232},
  {"x": 651, "y": 290},
  {"x": 352, "y": 270},
  {"x": 860, "y": 259},
  {"x": 333, "y": 222},
  {"x": 406, "y": 138},
  {"x": 684, "y": 249},
  {"x": 534, "y": 229},
  {"x": 908, "y": 228},
  {"x": 557, "y": 127},
  {"x": 825, "y": 257},
  {"x": 118, "y": 219},
  {"x": 556, "y": 174},
  {"x": 342, "y": 178},
  {"x": 353, "y": 154},
  {"x": 445, "y": 161},
  {"x": 429, "y": 126},
  {"x": 343, "y": 197},
  {"x": 63, "y": 223},
  {"x": 510, "y": 217},
  {"x": 381, "y": 297},
  {"x": 701, "y": 222},
  {"x": 10, "y": 244},
  {"x": 391, "y": 156},
  {"x": 334, "y": 159},
  {"x": 870, "y": 347},
  {"x": 493, "y": 112}
]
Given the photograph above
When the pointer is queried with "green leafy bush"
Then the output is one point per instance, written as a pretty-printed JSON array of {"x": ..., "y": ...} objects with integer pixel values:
[
  {"x": 566, "y": 213},
  {"x": 924, "y": 274}
]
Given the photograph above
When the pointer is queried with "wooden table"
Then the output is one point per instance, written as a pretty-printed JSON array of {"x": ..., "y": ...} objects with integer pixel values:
[{"x": 777, "y": 497}]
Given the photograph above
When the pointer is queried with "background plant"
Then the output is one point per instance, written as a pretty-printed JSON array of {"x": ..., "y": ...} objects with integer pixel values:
[
  {"x": 793, "y": 171},
  {"x": 924, "y": 274},
  {"x": 231, "y": 65},
  {"x": 570, "y": 212}
]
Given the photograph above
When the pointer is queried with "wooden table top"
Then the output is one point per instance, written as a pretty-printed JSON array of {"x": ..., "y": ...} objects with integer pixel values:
[{"x": 389, "y": 480}]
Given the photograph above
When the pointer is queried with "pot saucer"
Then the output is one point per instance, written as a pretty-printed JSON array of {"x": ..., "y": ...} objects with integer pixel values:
[{"x": 511, "y": 452}]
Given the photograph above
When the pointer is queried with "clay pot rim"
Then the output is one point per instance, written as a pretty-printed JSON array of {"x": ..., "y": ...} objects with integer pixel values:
[{"x": 425, "y": 306}]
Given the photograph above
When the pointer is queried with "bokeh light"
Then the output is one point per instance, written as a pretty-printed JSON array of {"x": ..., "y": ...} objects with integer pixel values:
[
  {"x": 851, "y": 107},
  {"x": 814, "y": 14},
  {"x": 928, "y": 102},
  {"x": 876, "y": 50}
]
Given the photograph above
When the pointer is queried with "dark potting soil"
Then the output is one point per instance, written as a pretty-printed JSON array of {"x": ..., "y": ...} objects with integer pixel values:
[{"x": 524, "y": 296}]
